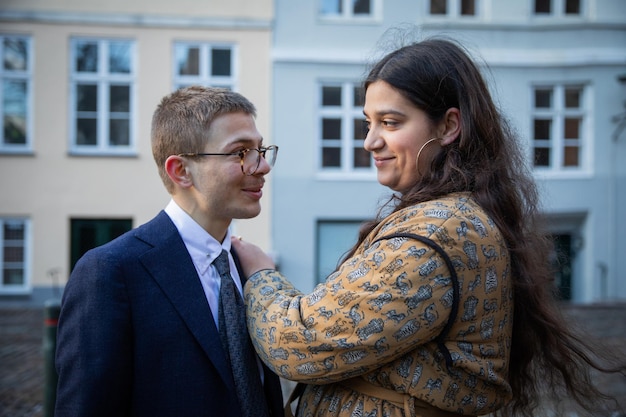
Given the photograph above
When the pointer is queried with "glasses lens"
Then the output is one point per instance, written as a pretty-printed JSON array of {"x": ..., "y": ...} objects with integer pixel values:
[
  {"x": 252, "y": 159},
  {"x": 270, "y": 155}
]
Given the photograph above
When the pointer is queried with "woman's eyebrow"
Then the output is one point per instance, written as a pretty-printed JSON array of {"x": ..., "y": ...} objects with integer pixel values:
[{"x": 386, "y": 112}]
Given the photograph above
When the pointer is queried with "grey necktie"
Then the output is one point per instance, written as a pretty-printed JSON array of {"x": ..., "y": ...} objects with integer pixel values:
[{"x": 234, "y": 335}]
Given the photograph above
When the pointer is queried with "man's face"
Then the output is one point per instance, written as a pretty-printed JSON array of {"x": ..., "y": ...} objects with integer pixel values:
[{"x": 221, "y": 192}]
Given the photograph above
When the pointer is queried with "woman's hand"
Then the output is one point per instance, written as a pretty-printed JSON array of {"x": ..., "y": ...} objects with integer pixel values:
[{"x": 251, "y": 257}]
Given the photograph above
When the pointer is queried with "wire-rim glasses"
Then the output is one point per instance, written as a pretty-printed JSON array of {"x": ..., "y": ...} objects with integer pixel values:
[{"x": 250, "y": 158}]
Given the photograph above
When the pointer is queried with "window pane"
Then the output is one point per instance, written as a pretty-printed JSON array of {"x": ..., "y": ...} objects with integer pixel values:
[
  {"x": 87, "y": 97},
  {"x": 571, "y": 157},
  {"x": 359, "y": 129},
  {"x": 331, "y": 157},
  {"x": 361, "y": 7},
  {"x": 572, "y": 97},
  {"x": 331, "y": 128},
  {"x": 119, "y": 130},
  {"x": 119, "y": 58},
  {"x": 331, "y": 7},
  {"x": 572, "y": 6},
  {"x": 542, "y": 129},
  {"x": 14, "y": 117},
  {"x": 13, "y": 230},
  {"x": 86, "y": 56},
  {"x": 542, "y": 6},
  {"x": 542, "y": 157},
  {"x": 15, "y": 54},
  {"x": 220, "y": 62},
  {"x": 188, "y": 60},
  {"x": 119, "y": 96},
  {"x": 334, "y": 240},
  {"x": 12, "y": 276},
  {"x": 543, "y": 99},
  {"x": 468, "y": 8},
  {"x": 572, "y": 127},
  {"x": 331, "y": 96},
  {"x": 438, "y": 6},
  {"x": 362, "y": 158},
  {"x": 13, "y": 254},
  {"x": 86, "y": 131},
  {"x": 358, "y": 97}
]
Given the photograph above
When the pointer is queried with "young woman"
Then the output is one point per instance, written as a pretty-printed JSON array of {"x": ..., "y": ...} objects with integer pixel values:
[{"x": 444, "y": 306}]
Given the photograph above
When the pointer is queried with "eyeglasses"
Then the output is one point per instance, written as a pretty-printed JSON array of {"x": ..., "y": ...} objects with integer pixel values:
[{"x": 250, "y": 158}]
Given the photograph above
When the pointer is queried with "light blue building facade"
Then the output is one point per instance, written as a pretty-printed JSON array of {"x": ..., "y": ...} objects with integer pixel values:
[{"x": 554, "y": 67}]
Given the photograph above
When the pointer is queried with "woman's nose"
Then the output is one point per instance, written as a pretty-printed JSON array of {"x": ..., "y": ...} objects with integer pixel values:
[{"x": 373, "y": 141}]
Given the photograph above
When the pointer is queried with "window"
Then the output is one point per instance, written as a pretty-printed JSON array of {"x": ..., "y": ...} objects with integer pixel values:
[
  {"x": 14, "y": 262},
  {"x": 558, "y": 7},
  {"x": 15, "y": 75},
  {"x": 349, "y": 9},
  {"x": 438, "y": 6},
  {"x": 334, "y": 239},
  {"x": 101, "y": 96},
  {"x": 204, "y": 64},
  {"x": 89, "y": 233},
  {"x": 562, "y": 260},
  {"x": 557, "y": 127},
  {"x": 342, "y": 128},
  {"x": 449, "y": 8}
]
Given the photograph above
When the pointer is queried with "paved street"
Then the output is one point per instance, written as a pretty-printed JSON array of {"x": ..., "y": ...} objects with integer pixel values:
[
  {"x": 22, "y": 360},
  {"x": 21, "y": 363}
]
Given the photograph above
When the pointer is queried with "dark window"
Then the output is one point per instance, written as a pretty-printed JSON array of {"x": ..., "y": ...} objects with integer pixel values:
[
  {"x": 562, "y": 265},
  {"x": 543, "y": 7},
  {"x": 572, "y": 6},
  {"x": 468, "y": 8},
  {"x": 438, "y": 7},
  {"x": 89, "y": 233}
]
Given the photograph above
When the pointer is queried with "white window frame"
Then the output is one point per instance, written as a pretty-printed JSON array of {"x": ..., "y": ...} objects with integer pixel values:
[
  {"x": 453, "y": 10},
  {"x": 347, "y": 112},
  {"x": 205, "y": 77},
  {"x": 25, "y": 76},
  {"x": 376, "y": 12},
  {"x": 25, "y": 287},
  {"x": 103, "y": 80},
  {"x": 557, "y": 114}
]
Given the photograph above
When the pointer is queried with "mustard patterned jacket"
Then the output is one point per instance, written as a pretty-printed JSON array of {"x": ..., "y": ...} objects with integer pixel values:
[{"x": 379, "y": 315}]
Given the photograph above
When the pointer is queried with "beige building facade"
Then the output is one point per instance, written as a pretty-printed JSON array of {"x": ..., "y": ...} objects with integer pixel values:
[{"x": 80, "y": 80}]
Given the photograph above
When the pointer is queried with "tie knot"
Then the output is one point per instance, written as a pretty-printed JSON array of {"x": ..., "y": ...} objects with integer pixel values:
[{"x": 222, "y": 264}]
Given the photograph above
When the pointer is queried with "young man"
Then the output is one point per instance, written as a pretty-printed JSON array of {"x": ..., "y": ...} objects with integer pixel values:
[{"x": 140, "y": 324}]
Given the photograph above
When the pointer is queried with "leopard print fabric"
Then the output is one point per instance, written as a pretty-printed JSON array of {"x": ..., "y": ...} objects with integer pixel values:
[{"x": 378, "y": 315}]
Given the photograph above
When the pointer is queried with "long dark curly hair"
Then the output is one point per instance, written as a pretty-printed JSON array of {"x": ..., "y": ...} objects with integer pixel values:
[{"x": 547, "y": 356}]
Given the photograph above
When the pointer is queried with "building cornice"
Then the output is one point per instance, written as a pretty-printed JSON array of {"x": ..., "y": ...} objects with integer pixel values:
[
  {"x": 515, "y": 57},
  {"x": 135, "y": 20}
]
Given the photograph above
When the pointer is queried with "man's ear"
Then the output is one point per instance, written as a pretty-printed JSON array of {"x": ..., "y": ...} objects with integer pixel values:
[
  {"x": 450, "y": 126},
  {"x": 178, "y": 171}
]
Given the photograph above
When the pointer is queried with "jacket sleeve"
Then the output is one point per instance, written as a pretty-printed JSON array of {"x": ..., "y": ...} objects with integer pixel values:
[
  {"x": 93, "y": 354},
  {"x": 380, "y": 304}
]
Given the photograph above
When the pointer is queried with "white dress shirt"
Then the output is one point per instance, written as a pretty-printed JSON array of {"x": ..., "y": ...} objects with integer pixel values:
[{"x": 204, "y": 249}]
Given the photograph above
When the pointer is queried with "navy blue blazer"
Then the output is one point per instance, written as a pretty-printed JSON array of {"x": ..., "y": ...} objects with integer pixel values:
[{"x": 136, "y": 336}]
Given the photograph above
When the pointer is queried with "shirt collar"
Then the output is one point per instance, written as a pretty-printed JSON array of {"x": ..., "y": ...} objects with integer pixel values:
[{"x": 202, "y": 247}]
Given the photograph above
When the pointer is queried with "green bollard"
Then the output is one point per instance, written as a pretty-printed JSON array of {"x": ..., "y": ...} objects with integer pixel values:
[{"x": 52, "y": 308}]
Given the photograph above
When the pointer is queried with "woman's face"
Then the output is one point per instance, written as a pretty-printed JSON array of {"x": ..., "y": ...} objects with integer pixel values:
[{"x": 397, "y": 131}]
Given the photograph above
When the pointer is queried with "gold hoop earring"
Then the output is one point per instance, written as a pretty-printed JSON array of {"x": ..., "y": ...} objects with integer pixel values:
[{"x": 417, "y": 160}]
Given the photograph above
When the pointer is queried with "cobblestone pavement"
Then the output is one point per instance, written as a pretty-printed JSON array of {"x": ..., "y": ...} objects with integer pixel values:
[
  {"x": 22, "y": 377},
  {"x": 21, "y": 363}
]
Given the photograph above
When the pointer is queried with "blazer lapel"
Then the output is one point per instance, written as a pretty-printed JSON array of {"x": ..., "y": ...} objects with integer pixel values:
[{"x": 171, "y": 267}]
